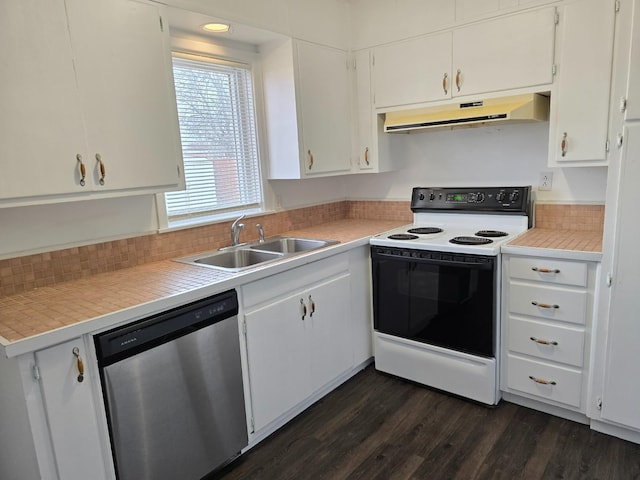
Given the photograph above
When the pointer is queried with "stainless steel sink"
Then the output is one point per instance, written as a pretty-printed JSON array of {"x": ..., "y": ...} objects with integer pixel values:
[
  {"x": 250, "y": 255},
  {"x": 233, "y": 260},
  {"x": 291, "y": 244}
]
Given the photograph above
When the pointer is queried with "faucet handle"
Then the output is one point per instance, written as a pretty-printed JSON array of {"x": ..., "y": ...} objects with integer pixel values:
[{"x": 260, "y": 232}]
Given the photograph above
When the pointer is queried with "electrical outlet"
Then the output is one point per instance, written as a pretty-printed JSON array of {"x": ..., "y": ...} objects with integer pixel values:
[{"x": 546, "y": 181}]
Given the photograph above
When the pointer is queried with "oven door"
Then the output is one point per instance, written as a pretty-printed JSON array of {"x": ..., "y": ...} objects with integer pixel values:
[{"x": 443, "y": 299}]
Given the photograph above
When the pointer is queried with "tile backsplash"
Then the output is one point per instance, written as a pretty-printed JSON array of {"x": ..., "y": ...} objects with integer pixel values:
[{"x": 32, "y": 271}]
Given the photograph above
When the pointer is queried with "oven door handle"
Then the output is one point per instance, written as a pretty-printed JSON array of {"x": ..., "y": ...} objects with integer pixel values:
[{"x": 486, "y": 265}]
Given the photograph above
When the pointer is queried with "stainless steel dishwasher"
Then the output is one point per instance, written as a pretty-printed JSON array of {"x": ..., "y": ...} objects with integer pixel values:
[{"x": 172, "y": 386}]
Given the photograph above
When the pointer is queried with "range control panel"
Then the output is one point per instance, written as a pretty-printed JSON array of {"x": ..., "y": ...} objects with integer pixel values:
[{"x": 512, "y": 200}]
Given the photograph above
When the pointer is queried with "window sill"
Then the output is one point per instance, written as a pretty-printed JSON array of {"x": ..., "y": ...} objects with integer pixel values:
[{"x": 193, "y": 222}]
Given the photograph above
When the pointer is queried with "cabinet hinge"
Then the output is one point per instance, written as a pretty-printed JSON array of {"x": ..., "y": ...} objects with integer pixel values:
[
  {"x": 609, "y": 280},
  {"x": 554, "y": 69},
  {"x": 623, "y": 104},
  {"x": 617, "y": 6},
  {"x": 599, "y": 403},
  {"x": 253, "y": 426},
  {"x": 607, "y": 146},
  {"x": 178, "y": 168},
  {"x": 244, "y": 328},
  {"x": 556, "y": 17},
  {"x": 35, "y": 372},
  {"x": 161, "y": 25},
  {"x": 619, "y": 140}
]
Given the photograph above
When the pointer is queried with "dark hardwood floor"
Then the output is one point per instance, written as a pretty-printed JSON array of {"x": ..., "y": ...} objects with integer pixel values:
[{"x": 380, "y": 427}]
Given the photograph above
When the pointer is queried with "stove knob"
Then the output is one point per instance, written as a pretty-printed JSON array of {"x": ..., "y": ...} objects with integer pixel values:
[
  {"x": 421, "y": 196},
  {"x": 432, "y": 196},
  {"x": 514, "y": 195},
  {"x": 480, "y": 198},
  {"x": 500, "y": 196}
]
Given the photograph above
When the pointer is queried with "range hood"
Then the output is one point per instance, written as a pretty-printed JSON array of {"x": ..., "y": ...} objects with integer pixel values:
[{"x": 518, "y": 108}]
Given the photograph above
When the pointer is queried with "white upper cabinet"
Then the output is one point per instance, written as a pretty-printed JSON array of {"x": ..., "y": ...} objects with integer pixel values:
[
  {"x": 505, "y": 53},
  {"x": 124, "y": 73},
  {"x": 371, "y": 148},
  {"x": 41, "y": 123},
  {"x": 514, "y": 51},
  {"x": 582, "y": 88},
  {"x": 413, "y": 71},
  {"x": 306, "y": 89},
  {"x": 86, "y": 81}
]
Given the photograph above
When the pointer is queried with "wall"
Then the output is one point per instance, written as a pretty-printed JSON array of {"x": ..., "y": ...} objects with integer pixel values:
[{"x": 483, "y": 156}]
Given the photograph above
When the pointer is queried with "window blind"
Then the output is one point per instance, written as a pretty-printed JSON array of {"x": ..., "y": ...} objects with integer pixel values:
[{"x": 219, "y": 144}]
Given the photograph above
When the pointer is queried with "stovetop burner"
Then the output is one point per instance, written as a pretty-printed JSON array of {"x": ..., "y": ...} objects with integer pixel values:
[
  {"x": 470, "y": 240},
  {"x": 491, "y": 233},
  {"x": 425, "y": 230},
  {"x": 402, "y": 236}
]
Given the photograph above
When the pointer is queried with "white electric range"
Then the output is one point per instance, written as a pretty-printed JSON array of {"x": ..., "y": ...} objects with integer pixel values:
[{"x": 436, "y": 288}]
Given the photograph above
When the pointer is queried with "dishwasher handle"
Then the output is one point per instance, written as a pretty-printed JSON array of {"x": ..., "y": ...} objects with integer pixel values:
[{"x": 124, "y": 342}]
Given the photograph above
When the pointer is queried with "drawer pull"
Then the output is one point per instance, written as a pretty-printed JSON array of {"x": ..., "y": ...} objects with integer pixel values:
[
  {"x": 545, "y": 270},
  {"x": 545, "y": 305},
  {"x": 541, "y": 381},
  {"x": 543, "y": 342}
]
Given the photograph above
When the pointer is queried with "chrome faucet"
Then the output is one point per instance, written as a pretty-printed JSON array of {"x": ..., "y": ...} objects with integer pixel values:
[
  {"x": 260, "y": 232},
  {"x": 236, "y": 228}
]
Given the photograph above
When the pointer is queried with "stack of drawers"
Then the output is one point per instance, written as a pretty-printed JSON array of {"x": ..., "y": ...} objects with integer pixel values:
[{"x": 547, "y": 317}]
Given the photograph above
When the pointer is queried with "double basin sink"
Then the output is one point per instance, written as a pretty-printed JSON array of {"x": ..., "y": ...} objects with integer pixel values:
[{"x": 249, "y": 255}]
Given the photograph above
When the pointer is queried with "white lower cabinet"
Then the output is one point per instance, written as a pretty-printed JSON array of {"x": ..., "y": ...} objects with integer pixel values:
[
  {"x": 52, "y": 424},
  {"x": 546, "y": 330},
  {"x": 303, "y": 334}
]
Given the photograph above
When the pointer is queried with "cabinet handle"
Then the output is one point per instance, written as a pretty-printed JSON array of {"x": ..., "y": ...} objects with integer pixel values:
[
  {"x": 542, "y": 381},
  {"x": 312, "y": 304},
  {"x": 545, "y": 270},
  {"x": 80, "y": 364},
  {"x": 445, "y": 77},
  {"x": 458, "y": 77},
  {"x": 564, "y": 144},
  {"x": 543, "y": 342},
  {"x": 103, "y": 169},
  {"x": 366, "y": 155},
  {"x": 310, "y": 159},
  {"x": 304, "y": 308},
  {"x": 82, "y": 169},
  {"x": 545, "y": 305}
]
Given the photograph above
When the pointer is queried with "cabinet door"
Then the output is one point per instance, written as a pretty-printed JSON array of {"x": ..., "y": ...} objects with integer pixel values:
[
  {"x": 124, "y": 75},
  {"x": 366, "y": 151},
  {"x": 41, "y": 123},
  {"x": 413, "y": 71},
  {"x": 506, "y": 53},
  {"x": 329, "y": 339},
  {"x": 71, "y": 412},
  {"x": 621, "y": 395},
  {"x": 277, "y": 358},
  {"x": 323, "y": 97},
  {"x": 633, "y": 84},
  {"x": 585, "y": 54}
]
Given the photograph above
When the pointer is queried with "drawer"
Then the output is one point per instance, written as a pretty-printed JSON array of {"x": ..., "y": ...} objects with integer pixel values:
[
  {"x": 552, "y": 303},
  {"x": 548, "y": 342},
  {"x": 564, "y": 384},
  {"x": 549, "y": 270}
]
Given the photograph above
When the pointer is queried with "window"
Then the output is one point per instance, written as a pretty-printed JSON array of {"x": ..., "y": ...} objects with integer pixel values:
[{"x": 219, "y": 144}]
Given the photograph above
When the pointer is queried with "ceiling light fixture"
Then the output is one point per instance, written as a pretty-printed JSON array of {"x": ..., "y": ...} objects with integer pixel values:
[{"x": 216, "y": 27}]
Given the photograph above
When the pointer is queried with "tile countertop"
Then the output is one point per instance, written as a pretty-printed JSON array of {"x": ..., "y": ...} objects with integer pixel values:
[
  {"x": 45, "y": 316},
  {"x": 547, "y": 242}
]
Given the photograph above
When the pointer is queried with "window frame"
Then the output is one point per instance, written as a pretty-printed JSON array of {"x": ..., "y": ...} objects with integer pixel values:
[{"x": 244, "y": 55}]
